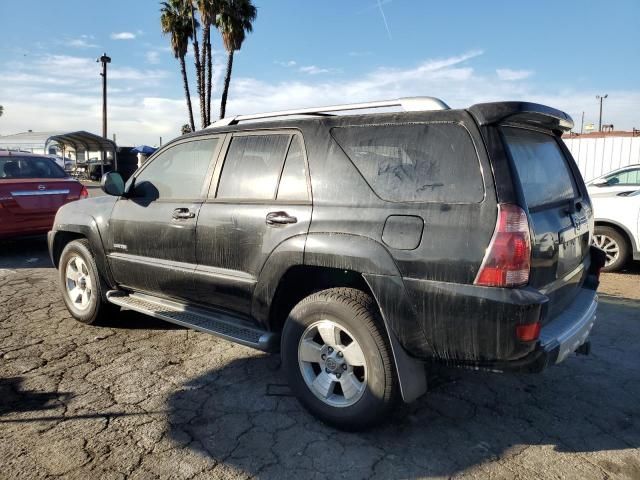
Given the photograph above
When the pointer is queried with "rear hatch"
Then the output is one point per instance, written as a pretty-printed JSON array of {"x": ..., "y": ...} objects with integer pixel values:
[
  {"x": 560, "y": 214},
  {"x": 31, "y": 191}
]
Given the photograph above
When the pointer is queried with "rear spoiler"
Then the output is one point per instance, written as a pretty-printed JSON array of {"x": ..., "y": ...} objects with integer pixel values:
[{"x": 522, "y": 113}]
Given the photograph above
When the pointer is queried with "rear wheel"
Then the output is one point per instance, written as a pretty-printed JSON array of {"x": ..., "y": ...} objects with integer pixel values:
[
  {"x": 338, "y": 360},
  {"x": 614, "y": 246},
  {"x": 82, "y": 287}
]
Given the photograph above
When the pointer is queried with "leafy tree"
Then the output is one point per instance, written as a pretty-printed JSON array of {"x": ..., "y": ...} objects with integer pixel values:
[
  {"x": 234, "y": 21},
  {"x": 176, "y": 21}
]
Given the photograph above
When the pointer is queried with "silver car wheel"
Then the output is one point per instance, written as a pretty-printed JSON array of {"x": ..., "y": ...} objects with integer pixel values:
[
  {"x": 78, "y": 283},
  {"x": 332, "y": 364},
  {"x": 609, "y": 246}
]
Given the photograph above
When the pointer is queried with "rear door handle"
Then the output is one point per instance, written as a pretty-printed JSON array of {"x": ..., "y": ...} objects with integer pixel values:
[
  {"x": 280, "y": 218},
  {"x": 182, "y": 214}
]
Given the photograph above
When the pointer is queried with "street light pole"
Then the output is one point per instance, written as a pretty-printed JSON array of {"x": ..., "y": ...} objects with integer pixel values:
[
  {"x": 601, "y": 98},
  {"x": 104, "y": 59}
]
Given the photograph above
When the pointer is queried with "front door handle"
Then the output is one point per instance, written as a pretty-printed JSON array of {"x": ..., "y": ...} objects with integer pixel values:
[
  {"x": 280, "y": 218},
  {"x": 182, "y": 214}
]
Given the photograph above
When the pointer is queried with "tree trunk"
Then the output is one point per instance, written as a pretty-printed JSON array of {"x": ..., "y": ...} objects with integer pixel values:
[
  {"x": 227, "y": 80},
  {"x": 203, "y": 62},
  {"x": 183, "y": 69},
  {"x": 209, "y": 75}
]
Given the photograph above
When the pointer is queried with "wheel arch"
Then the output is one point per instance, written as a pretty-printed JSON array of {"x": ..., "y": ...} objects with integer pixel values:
[{"x": 624, "y": 231}]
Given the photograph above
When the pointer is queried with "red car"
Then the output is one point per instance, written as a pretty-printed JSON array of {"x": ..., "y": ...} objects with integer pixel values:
[{"x": 32, "y": 188}]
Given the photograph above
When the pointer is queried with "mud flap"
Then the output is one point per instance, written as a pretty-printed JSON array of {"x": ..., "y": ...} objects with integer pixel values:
[{"x": 411, "y": 373}]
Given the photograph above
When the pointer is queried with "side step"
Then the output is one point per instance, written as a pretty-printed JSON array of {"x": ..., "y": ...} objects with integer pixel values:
[{"x": 213, "y": 322}]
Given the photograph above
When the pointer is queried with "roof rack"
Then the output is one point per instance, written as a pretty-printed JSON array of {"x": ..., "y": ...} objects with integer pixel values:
[{"x": 409, "y": 104}]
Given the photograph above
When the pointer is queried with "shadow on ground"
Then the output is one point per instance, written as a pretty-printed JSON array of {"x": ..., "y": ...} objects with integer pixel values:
[
  {"x": 27, "y": 252},
  {"x": 243, "y": 416}
]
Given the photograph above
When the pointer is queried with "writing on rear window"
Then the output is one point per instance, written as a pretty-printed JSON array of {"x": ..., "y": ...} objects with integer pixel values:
[{"x": 434, "y": 162}]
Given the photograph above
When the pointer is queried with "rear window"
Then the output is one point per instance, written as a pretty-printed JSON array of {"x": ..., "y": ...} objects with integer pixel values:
[
  {"x": 29, "y": 167},
  {"x": 434, "y": 162},
  {"x": 542, "y": 168}
]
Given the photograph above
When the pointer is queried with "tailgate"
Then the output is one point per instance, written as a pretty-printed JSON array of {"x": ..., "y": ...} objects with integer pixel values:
[{"x": 559, "y": 215}]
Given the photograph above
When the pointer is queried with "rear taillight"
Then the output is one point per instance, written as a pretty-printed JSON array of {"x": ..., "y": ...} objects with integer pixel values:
[
  {"x": 507, "y": 260},
  {"x": 84, "y": 193}
]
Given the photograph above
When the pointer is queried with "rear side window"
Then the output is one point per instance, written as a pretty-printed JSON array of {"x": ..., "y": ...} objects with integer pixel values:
[
  {"x": 252, "y": 167},
  {"x": 628, "y": 177},
  {"x": 415, "y": 162},
  {"x": 177, "y": 173},
  {"x": 293, "y": 182},
  {"x": 29, "y": 167},
  {"x": 542, "y": 168}
]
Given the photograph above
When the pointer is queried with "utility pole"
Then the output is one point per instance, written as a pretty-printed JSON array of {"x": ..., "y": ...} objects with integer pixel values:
[
  {"x": 601, "y": 98},
  {"x": 582, "y": 123},
  {"x": 104, "y": 59}
]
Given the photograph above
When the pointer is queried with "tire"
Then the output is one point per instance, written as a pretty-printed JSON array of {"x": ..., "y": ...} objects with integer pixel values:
[
  {"x": 614, "y": 244},
  {"x": 86, "y": 303},
  {"x": 351, "y": 387}
]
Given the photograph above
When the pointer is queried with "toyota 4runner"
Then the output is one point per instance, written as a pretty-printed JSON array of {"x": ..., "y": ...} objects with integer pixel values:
[{"x": 359, "y": 246}]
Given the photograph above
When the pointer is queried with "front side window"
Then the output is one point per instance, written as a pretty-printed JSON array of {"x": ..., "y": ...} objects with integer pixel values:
[
  {"x": 178, "y": 172},
  {"x": 628, "y": 177},
  {"x": 415, "y": 162},
  {"x": 252, "y": 166}
]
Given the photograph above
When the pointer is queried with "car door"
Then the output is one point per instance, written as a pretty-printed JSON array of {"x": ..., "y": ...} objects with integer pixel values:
[
  {"x": 256, "y": 201},
  {"x": 152, "y": 228}
]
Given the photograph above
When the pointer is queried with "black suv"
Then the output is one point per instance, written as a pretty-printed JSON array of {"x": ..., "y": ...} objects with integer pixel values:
[{"x": 359, "y": 246}]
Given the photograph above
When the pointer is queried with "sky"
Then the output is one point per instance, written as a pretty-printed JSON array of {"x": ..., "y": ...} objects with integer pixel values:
[{"x": 307, "y": 53}]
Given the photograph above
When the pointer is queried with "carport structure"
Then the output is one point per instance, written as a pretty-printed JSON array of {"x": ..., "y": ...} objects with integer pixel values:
[{"x": 89, "y": 141}]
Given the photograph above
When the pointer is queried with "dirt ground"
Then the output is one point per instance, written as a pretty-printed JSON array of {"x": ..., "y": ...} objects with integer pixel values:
[{"x": 139, "y": 398}]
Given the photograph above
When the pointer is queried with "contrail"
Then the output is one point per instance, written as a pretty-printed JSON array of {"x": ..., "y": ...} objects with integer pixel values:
[{"x": 386, "y": 25}]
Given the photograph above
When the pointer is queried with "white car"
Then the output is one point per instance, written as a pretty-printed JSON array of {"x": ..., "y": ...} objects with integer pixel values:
[
  {"x": 625, "y": 179},
  {"x": 617, "y": 227}
]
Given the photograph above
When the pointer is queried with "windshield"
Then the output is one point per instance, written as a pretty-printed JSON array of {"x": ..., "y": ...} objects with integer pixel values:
[{"x": 29, "y": 167}]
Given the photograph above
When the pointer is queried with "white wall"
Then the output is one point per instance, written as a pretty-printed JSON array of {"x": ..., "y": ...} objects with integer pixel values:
[{"x": 597, "y": 156}]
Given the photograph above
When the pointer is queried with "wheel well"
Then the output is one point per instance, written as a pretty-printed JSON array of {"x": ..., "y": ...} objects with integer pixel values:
[
  {"x": 301, "y": 281},
  {"x": 60, "y": 241},
  {"x": 618, "y": 229}
]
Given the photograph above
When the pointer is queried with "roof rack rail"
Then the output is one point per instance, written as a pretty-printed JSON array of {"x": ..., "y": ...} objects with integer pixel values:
[{"x": 409, "y": 104}]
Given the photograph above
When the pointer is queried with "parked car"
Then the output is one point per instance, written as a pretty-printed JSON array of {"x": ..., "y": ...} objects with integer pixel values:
[
  {"x": 359, "y": 246},
  {"x": 32, "y": 188},
  {"x": 617, "y": 227},
  {"x": 625, "y": 179}
]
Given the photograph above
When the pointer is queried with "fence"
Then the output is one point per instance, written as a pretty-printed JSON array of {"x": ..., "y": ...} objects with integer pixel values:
[{"x": 600, "y": 155}]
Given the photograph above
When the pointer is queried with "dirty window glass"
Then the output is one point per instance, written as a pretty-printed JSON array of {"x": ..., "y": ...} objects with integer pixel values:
[
  {"x": 416, "y": 162},
  {"x": 293, "y": 183},
  {"x": 252, "y": 167},
  {"x": 178, "y": 172},
  {"x": 542, "y": 168}
]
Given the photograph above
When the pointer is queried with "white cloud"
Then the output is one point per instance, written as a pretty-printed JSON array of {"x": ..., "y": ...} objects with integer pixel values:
[
  {"x": 123, "y": 36},
  {"x": 59, "y": 92},
  {"x": 289, "y": 63},
  {"x": 511, "y": 75},
  {"x": 153, "y": 57},
  {"x": 313, "y": 70},
  {"x": 84, "y": 41}
]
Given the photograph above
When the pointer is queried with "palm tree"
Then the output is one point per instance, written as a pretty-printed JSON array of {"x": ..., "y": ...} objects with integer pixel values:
[
  {"x": 177, "y": 22},
  {"x": 234, "y": 21},
  {"x": 199, "y": 67},
  {"x": 208, "y": 9}
]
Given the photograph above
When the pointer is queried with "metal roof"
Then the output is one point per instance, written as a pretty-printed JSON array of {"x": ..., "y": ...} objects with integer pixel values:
[{"x": 89, "y": 141}]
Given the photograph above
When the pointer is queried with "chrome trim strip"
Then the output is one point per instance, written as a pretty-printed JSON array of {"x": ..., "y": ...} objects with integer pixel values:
[{"x": 29, "y": 193}]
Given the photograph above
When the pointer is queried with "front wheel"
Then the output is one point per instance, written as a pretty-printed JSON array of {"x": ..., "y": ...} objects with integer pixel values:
[
  {"x": 337, "y": 358},
  {"x": 82, "y": 287}
]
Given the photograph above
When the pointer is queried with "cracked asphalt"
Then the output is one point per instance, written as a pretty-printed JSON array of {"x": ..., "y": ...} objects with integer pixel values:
[{"x": 139, "y": 398}]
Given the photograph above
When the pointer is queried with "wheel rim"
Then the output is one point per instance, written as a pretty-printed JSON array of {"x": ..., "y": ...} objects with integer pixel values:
[
  {"x": 332, "y": 364},
  {"x": 609, "y": 246},
  {"x": 78, "y": 283}
]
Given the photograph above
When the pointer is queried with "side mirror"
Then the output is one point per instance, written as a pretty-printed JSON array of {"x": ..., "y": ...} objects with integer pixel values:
[
  {"x": 112, "y": 184},
  {"x": 600, "y": 182}
]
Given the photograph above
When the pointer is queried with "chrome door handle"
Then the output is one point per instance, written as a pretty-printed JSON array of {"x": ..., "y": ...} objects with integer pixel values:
[
  {"x": 280, "y": 218},
  {"x": 182, "y": 214}
]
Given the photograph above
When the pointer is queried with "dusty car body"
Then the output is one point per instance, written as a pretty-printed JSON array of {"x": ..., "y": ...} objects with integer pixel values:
[{"x": 383, "y": 242}]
